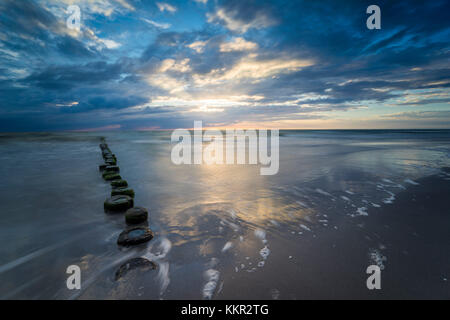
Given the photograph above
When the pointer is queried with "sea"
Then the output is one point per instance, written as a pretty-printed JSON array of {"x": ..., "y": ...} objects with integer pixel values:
[{"x": 341, "y": 201}]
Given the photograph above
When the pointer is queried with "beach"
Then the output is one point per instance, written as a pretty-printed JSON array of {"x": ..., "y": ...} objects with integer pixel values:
[{"x": 341, "y": 201}]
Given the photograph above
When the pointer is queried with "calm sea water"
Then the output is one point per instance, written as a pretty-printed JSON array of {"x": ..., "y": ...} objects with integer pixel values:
[{"x": 221, "y": 231}]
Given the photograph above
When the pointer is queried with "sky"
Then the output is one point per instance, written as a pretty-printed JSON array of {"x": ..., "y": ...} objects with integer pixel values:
[{"x": 146, "y": 65}]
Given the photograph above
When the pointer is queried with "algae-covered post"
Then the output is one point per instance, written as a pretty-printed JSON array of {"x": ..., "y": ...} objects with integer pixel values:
[
  {"x": 118, "y": 203},
  {"x": 136, "y": 215},
  {"x": 135, "y": 236},
  {"x": 111, "y": 176},
  {"x": 121, "y": 200},
  {"x": 112, "y": 169},
  {"x": 119, "y": 183},
  {"x": 122, "y": 191}
]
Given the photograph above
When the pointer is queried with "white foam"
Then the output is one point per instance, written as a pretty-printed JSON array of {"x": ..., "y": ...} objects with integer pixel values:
[
  {"x": 261, "y": 234},
  {"x": 302, "y": 204},
  {"x": 305, "y": 227},
  {"x": 390, "y": 199},
  {"x": 411, "y": 182},
  {"x": 220, "y": 287},
  {"x": 345, "y": 198},
  {"x": 323, "y": 192},
  {"x": 349, "y": 192},
  {"x": 212, "y": 277},
  {"x": 163, "y": 276},
  {"x": 362, "y": 211},
  {"x": 227, "y": 246},
  {"x": 264, "y": 252},
  {"x": 377, "y": 258},
  {"x": 232, "y": 225},
  {"x": 375, "y": 205},
  {"x": 274, "y": 223},
  {"x": 163, "y": 248}
]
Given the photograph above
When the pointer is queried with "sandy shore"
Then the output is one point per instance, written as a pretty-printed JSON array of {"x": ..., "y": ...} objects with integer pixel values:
[
  {"x": 227, "y": 232},
  {"x": 410, "y": 237}
]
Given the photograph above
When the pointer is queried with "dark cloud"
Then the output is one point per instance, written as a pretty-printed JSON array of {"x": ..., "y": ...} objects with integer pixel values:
[
  {"x": 44, "y": 69},
  {"x": 110, "y": 102},
  {"x": 69, "y": 76},
  {"x": 72, "y": 47},
  {"x": 26, "y": 19},
  {"x": 37, "y": 34},
  {"x": 239, "y": 16}
]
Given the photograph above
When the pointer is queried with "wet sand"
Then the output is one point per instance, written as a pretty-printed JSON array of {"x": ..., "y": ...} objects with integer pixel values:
[
  {"x": 415, "y": 231},
  {"x": 412, "y": 234},
  {"x": 341, "y": 202}
]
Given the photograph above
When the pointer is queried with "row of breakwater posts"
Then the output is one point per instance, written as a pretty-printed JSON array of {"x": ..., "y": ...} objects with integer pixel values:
[{"x": 122, "y": 201}]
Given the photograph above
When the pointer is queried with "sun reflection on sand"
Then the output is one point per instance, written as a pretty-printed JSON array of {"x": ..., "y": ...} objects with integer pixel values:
[{"x": 234, "y": 193}]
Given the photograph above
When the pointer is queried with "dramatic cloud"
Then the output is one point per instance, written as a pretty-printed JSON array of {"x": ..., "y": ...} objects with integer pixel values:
[
  {"x": 238, "y": 44},
  {"x": 160, "y": 25},
  {"x": 240, "y": 17},
  {"x": 286, "y": 64},
  {"x": 165, "y": 7}
]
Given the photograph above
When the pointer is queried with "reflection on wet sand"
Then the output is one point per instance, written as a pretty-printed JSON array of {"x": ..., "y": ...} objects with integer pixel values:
[{"x": 221, "y": 231}]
